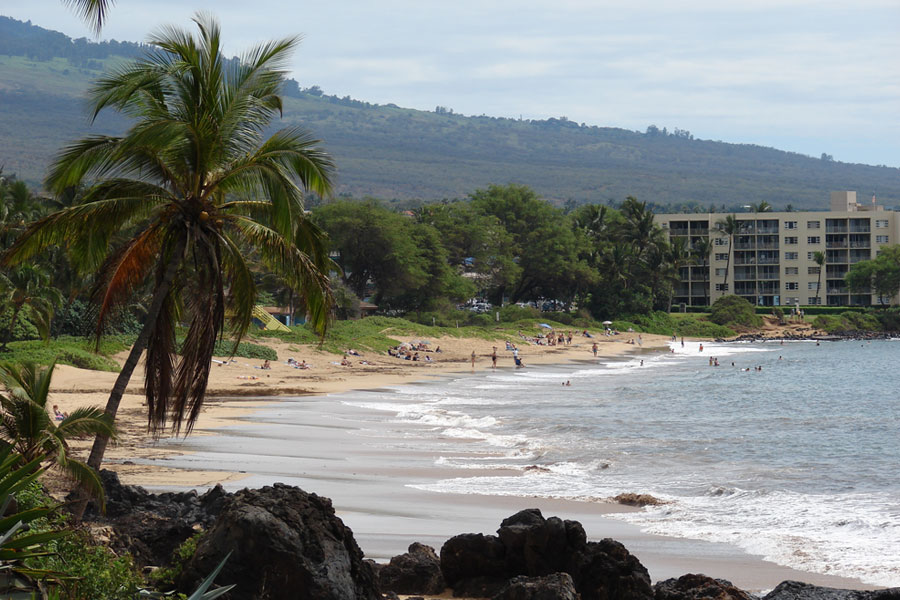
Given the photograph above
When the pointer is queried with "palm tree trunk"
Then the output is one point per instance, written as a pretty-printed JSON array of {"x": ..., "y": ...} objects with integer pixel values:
[
  {"x": 819, "y": 285},
  {"x": 8, "y": 335},
  {"x": 118, "y": 390},
  {"x": 728, "y": 264}
]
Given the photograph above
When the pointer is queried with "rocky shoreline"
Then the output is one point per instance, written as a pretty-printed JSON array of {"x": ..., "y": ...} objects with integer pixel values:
[
  {"x": 285, "y": 543},
  {"x": 811, "y": 337}
]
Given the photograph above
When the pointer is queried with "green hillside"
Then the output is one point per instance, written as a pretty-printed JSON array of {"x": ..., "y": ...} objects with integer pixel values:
[{"x": 396, "y": 153}]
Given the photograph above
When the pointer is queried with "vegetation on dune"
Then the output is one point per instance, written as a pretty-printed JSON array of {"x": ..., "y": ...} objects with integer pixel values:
[{"x": 734, "y": 311}]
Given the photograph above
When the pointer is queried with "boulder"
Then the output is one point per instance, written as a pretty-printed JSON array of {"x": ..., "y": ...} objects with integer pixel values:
[
  {"x": 556, "y": 586},
  {"x": 285, "y": 544},
  {"x": 795, "y": 590},
  {"x": 416, "y": 572},
  {"x": 530, "y": 545},
  {"x": 471, "y": 555},
  {"x": 152, "y": 526},
  {"x": 698, "y": 587},
  {"x": 606, "y": 570}
]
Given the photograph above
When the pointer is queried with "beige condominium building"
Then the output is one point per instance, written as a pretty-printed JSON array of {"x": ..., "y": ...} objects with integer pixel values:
[{"x": 772, "y": 261}]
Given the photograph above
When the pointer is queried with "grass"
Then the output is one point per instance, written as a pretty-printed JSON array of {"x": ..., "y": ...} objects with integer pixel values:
[{"x": 69, "y": 350}]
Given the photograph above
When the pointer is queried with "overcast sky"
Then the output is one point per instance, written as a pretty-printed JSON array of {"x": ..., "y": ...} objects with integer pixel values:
[{"x": 800, "y": 75}]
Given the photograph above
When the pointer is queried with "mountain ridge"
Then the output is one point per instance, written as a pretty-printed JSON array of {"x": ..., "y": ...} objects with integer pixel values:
[{"x": 410, "y": 155}]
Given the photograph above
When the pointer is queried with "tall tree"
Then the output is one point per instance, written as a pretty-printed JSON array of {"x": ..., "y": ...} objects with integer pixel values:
[
  {"x": 26, "y": 290},
  {"x": 730, "y": 226},
  {"x": 198, "y": 186},
  {"x": 700, "y": 252},
  {"x": 881, "y": 274},
  {"x": 819, "y": 259}
]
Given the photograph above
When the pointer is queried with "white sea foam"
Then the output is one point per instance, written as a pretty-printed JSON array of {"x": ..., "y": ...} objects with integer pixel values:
[{"x": 835, "y": 534}]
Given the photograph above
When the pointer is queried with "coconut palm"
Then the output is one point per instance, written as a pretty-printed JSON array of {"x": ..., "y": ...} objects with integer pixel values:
[
  {"x": 730, "y": 226},
  {"x": 27, "y": 426},
  {"x": 700, "y": 251},
  {"x": 199, "y": 189},
  {"x": 819, "y": 259},
  {"x": 25, "y": 290},
  {"x": 94, "y": 12}
]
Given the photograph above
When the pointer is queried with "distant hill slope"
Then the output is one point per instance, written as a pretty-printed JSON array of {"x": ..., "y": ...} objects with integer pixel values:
[{"x": 396, "y": 153}]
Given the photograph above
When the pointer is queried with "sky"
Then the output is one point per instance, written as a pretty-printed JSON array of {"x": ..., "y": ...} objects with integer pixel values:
[{"x": 807, "y": 76}]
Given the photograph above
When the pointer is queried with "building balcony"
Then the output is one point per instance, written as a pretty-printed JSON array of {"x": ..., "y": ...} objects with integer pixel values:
[
  {"x": 860, "y": 228},
  {"x": 835, "y": 244},
  {"x": 767, "y": 230},
  {"x": 861, "y": 244},
  {"x": 745, "y": 246},
  {"x": 835, "y": 229},
  {"x": 763, "y": 260}
]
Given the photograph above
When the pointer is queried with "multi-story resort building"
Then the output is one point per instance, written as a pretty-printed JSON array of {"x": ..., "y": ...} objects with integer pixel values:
[{"x": 772, "y": 261}]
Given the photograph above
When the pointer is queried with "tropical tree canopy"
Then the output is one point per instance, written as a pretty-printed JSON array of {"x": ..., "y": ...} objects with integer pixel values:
[{"x": 198, "y": 190}]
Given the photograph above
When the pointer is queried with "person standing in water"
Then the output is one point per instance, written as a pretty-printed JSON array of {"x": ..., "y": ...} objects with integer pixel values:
[
  {"x": 473, "y": 360},
  {"x": 494, "y": 358}
]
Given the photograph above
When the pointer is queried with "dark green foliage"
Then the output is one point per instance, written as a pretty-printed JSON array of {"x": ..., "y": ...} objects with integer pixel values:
[
  {"x": 663, "y": 323},
  {"x": 90, "y": 569},
  {"x": 164, "y": 578},
  {"x": 734, "y": 311},
  {"x": 849, "y": 321}
]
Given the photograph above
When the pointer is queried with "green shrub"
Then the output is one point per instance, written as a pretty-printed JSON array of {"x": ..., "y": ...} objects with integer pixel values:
[
  {"x": 244, "y": 350},
  {"x": 92, "y": 571},
  {"x": 482, "y": 320},
  {"x": 734, "y": 311},
  {"x": 74, "y": 351},
  {"x": 165, "y": 577},
  {"x": 512, "y": 313}
]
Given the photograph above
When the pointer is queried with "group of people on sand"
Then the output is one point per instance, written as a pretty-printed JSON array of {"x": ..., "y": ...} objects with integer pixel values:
[
  {"x": 410, "y": 353},
  {"x": 302, "y": 364}
]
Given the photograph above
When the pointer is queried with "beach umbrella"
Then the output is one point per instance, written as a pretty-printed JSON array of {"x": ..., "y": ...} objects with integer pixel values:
[
  {"x": 607, "y": 322},
  {"x": 545, "y": 326}
]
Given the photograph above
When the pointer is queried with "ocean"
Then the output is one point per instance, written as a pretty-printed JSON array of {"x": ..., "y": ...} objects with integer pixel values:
[{"x": 796, "y": 463}]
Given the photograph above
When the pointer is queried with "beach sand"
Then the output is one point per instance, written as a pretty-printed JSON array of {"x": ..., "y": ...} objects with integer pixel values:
[{"x": 345, "y": 455}]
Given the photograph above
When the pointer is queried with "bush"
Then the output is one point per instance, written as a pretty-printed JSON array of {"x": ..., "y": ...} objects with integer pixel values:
[
  {"x": 513, "y": 312},
  {"x": 92, "y": 570},
  {"x": 733, "y": 310},
  {"x": 244, "y": 350}
]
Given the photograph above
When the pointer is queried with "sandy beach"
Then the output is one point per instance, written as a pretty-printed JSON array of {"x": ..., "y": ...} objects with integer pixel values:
[{"x": 345, "y": 454}]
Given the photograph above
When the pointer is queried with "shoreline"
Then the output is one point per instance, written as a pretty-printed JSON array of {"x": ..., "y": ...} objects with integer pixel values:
[{"x": 416, "y": 515}]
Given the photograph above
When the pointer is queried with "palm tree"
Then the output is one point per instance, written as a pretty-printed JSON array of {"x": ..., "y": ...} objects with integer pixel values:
[
  {"x": 94, "y": 12},
  {"x": 819, "y": 259},
  {"x": 26, "y": 425},
  {"x": 26, "y": 290},
  {"x": 198, "y": 189},
  {"x": 763, "y": 206},
  {"x": 730, "y": 226},
  {"x": 676, "y": 256},
  {"x": 701, "y": 250}
]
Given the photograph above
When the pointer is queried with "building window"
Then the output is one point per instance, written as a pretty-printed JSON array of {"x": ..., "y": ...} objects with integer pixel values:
[
  {"x": 791, "y": 285},
  {"x": 881, "y": 223},
  {"x": 812, "y": 285},
  {"x": 720, "y": 272},
  {"x": 791, "y": 270},
  {"x": 813, "y": 239},
  {"x": 723, "y": 256},
  {"x": 813, "y": 224},
  {"x": 790, "y": 224},
  {"x": 810, "y": 256},
  {"x": 813, "y": 300},
  {"x": 721, "y": 287},
  {"x": 790, "y": 300},
  {"x": 813, "y": 270},
  {"x": 791, "y": 255},
  {"x": 790, "y": 240},
  {"x": 721, "y": 241},
  {"x": 882, "y": 239}
]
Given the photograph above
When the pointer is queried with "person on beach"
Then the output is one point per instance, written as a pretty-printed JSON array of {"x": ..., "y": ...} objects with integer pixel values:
[
  {"x": 473, "y": 359},
  {"x": 682, "y": 341},
  {"x": 518, "y": 361},
  {"x": 594, "y": 349},
  {"x": 494, "y": 358},
  {"x": 701, "y": 347},
  {"x": 58, "y": 414},
  {"x": 266, "y": 364}
]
